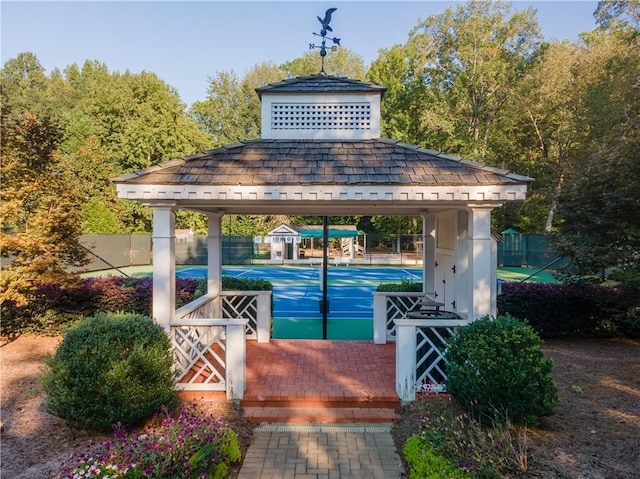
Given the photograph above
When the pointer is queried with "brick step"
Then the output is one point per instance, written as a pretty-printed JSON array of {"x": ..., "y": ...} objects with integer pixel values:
[
  {"x": 321, "y": 402},
  {"x": 320, "y": 414},
  {"x": 205, "y": 396}
]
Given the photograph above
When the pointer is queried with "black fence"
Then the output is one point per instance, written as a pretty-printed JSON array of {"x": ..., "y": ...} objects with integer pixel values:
[
  {"x": 529, "y": 251},
  {"x": 116, "y": 251}
]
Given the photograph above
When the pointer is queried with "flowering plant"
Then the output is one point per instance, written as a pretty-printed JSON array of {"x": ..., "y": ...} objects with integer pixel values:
[
  {"x": 187, "y": 445},
  {"x": 430, "y": 387}
]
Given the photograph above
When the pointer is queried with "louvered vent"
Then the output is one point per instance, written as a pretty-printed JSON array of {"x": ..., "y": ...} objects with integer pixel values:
[{"x": 320, "y": 116}]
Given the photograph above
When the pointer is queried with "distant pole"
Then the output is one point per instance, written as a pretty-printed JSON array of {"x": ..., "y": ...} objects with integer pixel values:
[{"x": 325, "y": 263}]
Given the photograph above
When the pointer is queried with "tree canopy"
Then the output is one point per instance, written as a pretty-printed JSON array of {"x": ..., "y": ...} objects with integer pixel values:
[{"x": 476, "y": 80}]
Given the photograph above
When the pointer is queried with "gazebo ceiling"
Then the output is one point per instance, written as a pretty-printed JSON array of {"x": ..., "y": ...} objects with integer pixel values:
[{"x": 319, "y": 177}]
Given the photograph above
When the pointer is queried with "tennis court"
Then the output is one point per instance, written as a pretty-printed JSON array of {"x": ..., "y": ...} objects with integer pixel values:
[{"x": 297, "y": 294}]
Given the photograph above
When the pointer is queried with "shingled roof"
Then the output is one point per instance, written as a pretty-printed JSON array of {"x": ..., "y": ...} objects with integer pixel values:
[
  {"x": 322, "y": 162},
  {"x": 321, "y": 83}
]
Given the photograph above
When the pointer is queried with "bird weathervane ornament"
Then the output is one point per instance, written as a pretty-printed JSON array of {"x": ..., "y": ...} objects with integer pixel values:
[{"x": 323, "y": 33}]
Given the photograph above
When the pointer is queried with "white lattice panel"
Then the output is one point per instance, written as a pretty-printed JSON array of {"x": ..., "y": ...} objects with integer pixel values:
[
  {"x": 321, "y": 116},
  {"x": 397, "y": 308},
  {"x": 431, "y": 343},
  {"x": 242, "y": 307},
  {"x": 199, "y": 357}
]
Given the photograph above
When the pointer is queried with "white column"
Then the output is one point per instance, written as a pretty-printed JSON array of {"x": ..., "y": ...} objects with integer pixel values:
[
  {"x": 481, "y": 267},
  {"x": 379, "y": 317},
  {"x": 429, "y": 254},
  {"x": 264, "y": 318},
  {"x": 494, "y": 278},
  {"x": 164, "y": 265},
  {"x": 214, "y": 260},
  {"x": 236, "y": 357},
  {"x": 463, "y": 281},
  {"x": 406, "y": 360}
]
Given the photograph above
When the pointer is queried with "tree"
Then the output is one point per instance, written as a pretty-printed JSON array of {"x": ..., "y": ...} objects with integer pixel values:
[
  {"x": 24, "y": 88},
  {"x": 110, "y": 123},
  {"x": 403, "y": 104},
  {"x": 341, "y": 62},
  {"x": 612, "y": 11},
  {"x": 40, "y": 211},
  {"x": 472, "y": 59},
  {"x": 139, "y": 120},
  {"x": 550, "y": 112},
  {"x": 600, "y": 207},
  {"x": 231, "y": 112}
]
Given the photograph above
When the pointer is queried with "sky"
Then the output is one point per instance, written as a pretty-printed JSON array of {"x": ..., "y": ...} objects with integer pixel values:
[{"x": 187, "y": 42}]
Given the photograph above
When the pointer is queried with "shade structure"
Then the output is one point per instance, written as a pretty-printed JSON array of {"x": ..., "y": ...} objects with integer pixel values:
[{"x": 333, "y": 233}]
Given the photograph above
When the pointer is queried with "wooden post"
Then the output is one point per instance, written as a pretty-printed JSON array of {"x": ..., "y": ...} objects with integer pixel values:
[
  {"x": 236, "y": 357},
  {"x": 406, "y": 361},
  {"x": 164, "y": 265},
  {"x": 379, "y": 318},
  {"x": 214, "y": 261},
  {"x": 482, "y": 282},
  {"x": 264, "y": 317},
  {"x": 429, "y": 254}
]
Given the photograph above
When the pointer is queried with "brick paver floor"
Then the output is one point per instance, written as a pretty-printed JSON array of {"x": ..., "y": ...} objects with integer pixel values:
[
  {"x": 344, "y": 369},
  {"x": 347, "y": 451}
]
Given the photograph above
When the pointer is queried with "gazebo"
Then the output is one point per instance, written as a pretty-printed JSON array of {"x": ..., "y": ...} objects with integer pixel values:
[{"x": 321, "y": 154}]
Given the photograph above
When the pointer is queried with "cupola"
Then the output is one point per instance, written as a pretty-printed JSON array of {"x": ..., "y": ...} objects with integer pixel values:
[{"x": 321, "y": 107}]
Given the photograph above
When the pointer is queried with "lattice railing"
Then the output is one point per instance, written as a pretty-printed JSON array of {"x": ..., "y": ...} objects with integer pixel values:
[
  {"x": 210, "y": 355},
  {"x": 431, "y": 343},
  {"x": 241, "y": 306},
  {"x": 420, "y": 354},
  {"x": 199, "y": 354},
  {"x": 388, "y": 309},
  {"x": 252, "y": 305}
]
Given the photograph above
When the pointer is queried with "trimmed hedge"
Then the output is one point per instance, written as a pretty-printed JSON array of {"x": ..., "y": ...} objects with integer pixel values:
[
  {"x": 405, "y": 286},
  {"x": 496, "y": 369},
  {"x": 111, "y": 368},
  {"x": 566, "y": 309},
  {"x": 53, "y": 307}
]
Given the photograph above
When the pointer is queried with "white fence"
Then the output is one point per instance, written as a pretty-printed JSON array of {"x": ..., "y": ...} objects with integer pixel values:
[
  {"x": 209, "y": 351},
  {"x": 420, "y": 343}
]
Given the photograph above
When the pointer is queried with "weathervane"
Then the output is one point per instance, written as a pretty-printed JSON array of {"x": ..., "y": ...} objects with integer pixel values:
[{"x": 323, "y": 33}]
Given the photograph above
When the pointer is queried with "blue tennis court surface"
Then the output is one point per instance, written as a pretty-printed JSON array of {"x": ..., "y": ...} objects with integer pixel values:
[
  {"x": 297, "y": 289},
  {"x": 297, "y": 295}
]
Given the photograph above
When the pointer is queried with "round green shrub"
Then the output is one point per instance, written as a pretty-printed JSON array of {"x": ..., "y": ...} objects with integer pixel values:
[
  {"x": 496, "y": 369},
  {"x": 111, "y": 368}
]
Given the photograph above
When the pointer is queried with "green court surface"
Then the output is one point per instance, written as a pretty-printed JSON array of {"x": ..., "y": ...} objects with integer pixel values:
[
  {"x": 311, "y": 328},
  {"x": 512, "y": 273}
]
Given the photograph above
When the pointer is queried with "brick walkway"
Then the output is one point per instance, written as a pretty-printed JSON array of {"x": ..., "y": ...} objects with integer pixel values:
[
  {"x": 324, "y": 410},
  {"x": 353, "y": 451}
]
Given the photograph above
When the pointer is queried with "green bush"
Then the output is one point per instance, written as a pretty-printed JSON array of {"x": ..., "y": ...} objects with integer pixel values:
[
  {"x": 630, "y": 326},
  {"x": 496, "y": 369},
  {"x": 405, "y": 286},
  {"x": 425, "y": 463},
  {"x": 565, "y": 310},
  {"x": 110, "y": 368}
]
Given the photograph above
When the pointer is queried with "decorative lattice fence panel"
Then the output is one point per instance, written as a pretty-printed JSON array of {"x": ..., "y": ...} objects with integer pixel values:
[
  {"x": 431, "y": 343},
  {"x": 397, "y": 308},
  {"x": 242, "y": 307},
  {"x": 199, "y": 357}
]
